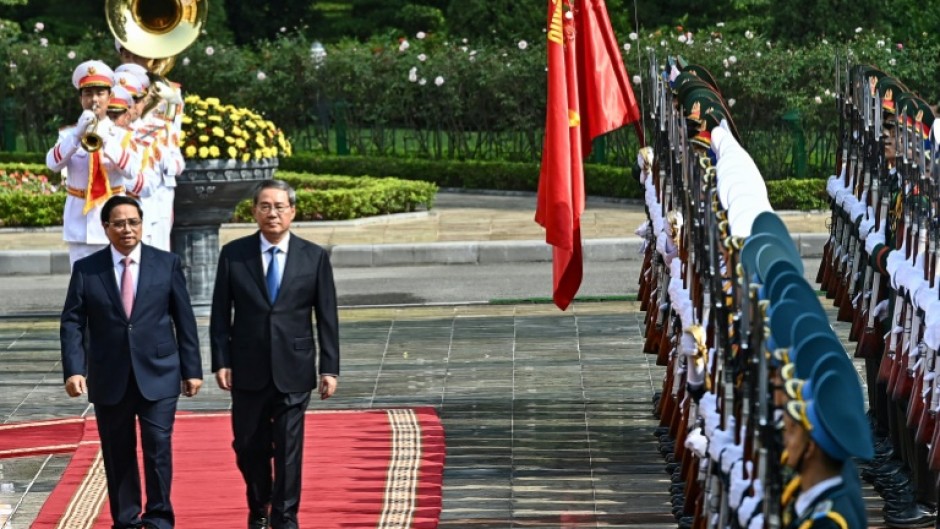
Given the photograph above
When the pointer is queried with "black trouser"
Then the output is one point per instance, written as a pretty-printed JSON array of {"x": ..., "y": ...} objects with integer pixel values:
[
  {"x": 269, "y": 425},
  {"x": 118, "y": 431}
]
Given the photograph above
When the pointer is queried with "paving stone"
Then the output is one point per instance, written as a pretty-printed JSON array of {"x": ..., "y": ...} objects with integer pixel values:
[{"x": 547, "y": 418}]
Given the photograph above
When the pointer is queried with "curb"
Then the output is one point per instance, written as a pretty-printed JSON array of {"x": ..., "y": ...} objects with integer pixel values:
[{"x": 56, "y": 262}]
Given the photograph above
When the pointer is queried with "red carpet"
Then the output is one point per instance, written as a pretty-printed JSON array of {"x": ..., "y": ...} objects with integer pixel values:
[{"x": 372, "y": 468}]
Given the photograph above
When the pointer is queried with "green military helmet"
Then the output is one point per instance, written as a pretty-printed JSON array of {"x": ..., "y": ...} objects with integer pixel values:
[
  {"x": 681, "y": 83},
  {"x": 812, "y": 336},
  {"x": 752, "y": 247},
  {"x": 702, "y": 73},
  {"x": 888, "y": 89},
  {"x": 832, "y": 411},
  {"x": 770, "y": 222},
  {"x": 803, "y": 293}
]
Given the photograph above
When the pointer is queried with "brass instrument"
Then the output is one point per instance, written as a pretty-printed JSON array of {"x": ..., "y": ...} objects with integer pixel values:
[
  {"x": 156, "y": 29},
  {"x": 91, "y": 140}
]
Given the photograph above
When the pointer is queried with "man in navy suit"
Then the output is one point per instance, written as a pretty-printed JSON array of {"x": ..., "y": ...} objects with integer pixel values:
[
  {"x": 268, "y": 287},
  {"x": 129, "y": 341}
]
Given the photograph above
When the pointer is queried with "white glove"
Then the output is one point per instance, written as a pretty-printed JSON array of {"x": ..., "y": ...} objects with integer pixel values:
[
  {"x": 757, "y": 522},
  {"x": 749, "y": 505},
  {"x": 741, "y": 473},
  {"x": 833, "y": 185},
  {"x": 697, "y": 443},
  {"x": 895, "y": 260},
  {"x": 932, "y": 325},
  {"x": 706, "y": 408},
  {"x": 867, "y": 224},
  {"x": 733, "y": 453},
  {"x": 719, "y": 442},
  {"x": 881, "y": 309},
  {"x": 84, "y": 121}
]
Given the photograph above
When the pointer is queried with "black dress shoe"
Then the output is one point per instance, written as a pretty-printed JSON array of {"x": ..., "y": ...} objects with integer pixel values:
[
  {"x": 915, "y": 515},
  {"x": 258, "y": 522}
]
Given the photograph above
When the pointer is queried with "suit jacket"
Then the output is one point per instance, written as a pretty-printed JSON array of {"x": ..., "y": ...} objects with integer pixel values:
[
  {"x": 267, "y": 342},
  {"x": 159, "y": 343}
]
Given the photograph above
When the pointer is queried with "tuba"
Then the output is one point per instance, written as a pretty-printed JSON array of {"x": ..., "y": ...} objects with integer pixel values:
[{"x": 156, "y": 29}]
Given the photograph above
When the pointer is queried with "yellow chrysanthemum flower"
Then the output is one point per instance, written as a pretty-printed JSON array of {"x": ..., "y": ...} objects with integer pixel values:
[
  {"x": 236, "y": 130},
  {"x": 203, "y": 138},
  {"x": 200, "y": 125},
  {"x": 203, "y": 152},
  {"x": 232, "y": 152},
  {"x": 246, "y": 157},
  {"x": 187, "y": 120},
  {"x": 240, "y": 143},
  {"x": 229, "y": 140},
  {"x": 217, "y": 131},
  {"x": 212, "y": 101},
  {"x": 190, "y": 151},
  {"x": 217, "y": 119},
  {"x": 200, "y": 112},
  {"x": 214, "y": 151}
]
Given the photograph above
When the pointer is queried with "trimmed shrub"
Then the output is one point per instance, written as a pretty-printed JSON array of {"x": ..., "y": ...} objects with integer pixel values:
[{"x": 345, "y": 197}]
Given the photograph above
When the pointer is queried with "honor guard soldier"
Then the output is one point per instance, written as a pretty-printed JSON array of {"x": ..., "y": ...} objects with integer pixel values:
[
  {"x": 94, "y": 164},
  {"x": 158, "y": 133},
  {"x": 824, "y": 427}
]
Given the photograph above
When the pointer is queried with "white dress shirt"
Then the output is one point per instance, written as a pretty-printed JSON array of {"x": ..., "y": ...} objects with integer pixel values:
[
  {"x": 281, "y": 255},
  {"x": 118, "y": 259}
]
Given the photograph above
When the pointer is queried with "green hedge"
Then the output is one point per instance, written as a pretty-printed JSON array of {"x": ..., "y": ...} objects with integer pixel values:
[
  {"x": 318, "y": 198},
  {"x": 600, "y": 180},
  {"x": 346, "y": 197},
  {"x": 802, "y": 195}
]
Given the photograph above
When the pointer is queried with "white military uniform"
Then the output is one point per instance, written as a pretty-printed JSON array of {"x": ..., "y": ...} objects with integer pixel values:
[
  {"x": 161, "y": 162},
  {"x": 116, "y": 163}
]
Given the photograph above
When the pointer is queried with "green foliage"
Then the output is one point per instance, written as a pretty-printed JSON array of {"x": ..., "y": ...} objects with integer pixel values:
[
  {"x": 599, "y": 180},
  {"x": 803, "y": 195},
  {"x": 22, "y": 208},
  {"x": 342, "y": 197},
  {"x": 495, "y": 20},
  {"x": 251, "y": 22}
]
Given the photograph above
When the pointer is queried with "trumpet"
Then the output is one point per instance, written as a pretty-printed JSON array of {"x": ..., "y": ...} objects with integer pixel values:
[{"x": 91, "y": 140}]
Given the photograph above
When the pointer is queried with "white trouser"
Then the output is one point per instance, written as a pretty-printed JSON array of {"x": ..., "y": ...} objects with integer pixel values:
[
  {"x": 80, "y": 250},
  {"x": 157, "y": 233}
]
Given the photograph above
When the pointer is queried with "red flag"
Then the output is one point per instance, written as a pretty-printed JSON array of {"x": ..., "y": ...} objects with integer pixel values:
[
  {"x": 607, "y": 100},
  {"x": 582, "y": 74}
]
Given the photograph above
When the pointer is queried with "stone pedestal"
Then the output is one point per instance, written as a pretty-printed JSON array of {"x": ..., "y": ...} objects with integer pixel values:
[{"x": 206, "y": 195}]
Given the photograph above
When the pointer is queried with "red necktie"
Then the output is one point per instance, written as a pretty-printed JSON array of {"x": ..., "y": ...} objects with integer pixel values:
[{"x": 127, "y": 288}]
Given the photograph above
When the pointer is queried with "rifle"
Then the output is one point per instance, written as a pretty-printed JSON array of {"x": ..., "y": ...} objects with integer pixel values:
[{"x": 927, "y": 423}]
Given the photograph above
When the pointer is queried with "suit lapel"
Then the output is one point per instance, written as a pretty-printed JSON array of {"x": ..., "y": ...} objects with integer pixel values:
[
  {"x": 146, "y": 271},
  {"x": 254, "y": 264},
  {"x": 109, "y": 280},
  {"x": 291, "y": 266}
]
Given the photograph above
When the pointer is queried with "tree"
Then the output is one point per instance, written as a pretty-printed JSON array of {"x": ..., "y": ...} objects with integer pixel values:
[{"x": 253, "y": 21}]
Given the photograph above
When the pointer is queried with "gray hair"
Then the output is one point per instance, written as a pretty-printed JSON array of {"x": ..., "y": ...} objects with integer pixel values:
[{"x": 276, "y": 184}]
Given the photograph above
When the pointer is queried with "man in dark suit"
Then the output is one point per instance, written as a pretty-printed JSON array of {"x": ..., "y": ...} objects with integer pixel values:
[
  {"x": 129, "y": 340},
  {"x": 268, "y": 287}
]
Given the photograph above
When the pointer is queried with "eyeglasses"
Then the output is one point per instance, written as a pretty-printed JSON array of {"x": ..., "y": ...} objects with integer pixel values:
[
  {"x": 279, "y": 208},
  {"x": 121, "y": 224}
]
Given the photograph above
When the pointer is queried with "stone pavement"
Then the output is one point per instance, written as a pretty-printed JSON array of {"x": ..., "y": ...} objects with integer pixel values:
[
  {"x": 547, "y": 414},
  {"x": 461, "y": 228}
]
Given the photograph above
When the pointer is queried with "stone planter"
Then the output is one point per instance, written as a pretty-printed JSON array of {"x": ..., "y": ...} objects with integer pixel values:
[{"x": 206, "y": 195}]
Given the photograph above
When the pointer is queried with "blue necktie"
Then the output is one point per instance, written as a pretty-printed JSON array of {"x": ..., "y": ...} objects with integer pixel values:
[{"x": 272, "y": 278}]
